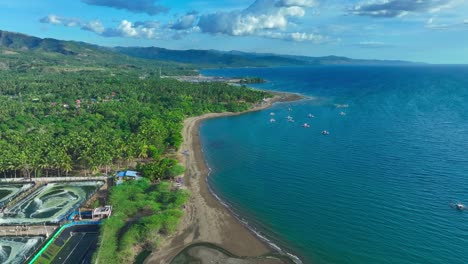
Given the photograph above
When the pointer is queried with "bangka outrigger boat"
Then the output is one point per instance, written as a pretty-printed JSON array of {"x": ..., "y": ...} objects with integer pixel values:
[{"x": 459, "y": 206}]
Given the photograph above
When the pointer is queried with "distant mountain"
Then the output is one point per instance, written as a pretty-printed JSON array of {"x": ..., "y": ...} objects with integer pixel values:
[
  {"x": 19, "y": 50},
  {"x": 29, "y": 43},
  {"x": 210, "y": 58},
  {"x": 216, "y": 58}
]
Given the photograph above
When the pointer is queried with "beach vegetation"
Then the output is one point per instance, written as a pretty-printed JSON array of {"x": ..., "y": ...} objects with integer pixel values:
[
  {"x": 247, "y": 80},
  {"x": 144, "y": 213}
]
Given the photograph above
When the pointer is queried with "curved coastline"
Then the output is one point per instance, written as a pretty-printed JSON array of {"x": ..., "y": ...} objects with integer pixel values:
[
  {"x": 291, "y": 257},
  {"x": 206, "y": 218}
]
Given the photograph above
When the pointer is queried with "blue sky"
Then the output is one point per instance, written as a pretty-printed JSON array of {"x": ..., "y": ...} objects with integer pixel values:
[{"x": 434, "y": 31}]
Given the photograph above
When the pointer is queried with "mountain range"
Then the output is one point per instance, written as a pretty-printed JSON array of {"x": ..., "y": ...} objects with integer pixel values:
[{"x": 80, "y": 52}]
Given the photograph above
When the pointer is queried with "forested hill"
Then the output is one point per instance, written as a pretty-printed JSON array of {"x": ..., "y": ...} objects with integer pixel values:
[
  {"x": 215, "y": 58},
  {"x": 210, "y": 58},
  {"x": 19, "y": 52}
]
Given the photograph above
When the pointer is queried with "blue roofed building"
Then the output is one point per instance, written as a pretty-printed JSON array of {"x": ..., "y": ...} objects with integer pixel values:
[{"x": 127, "y": 175}]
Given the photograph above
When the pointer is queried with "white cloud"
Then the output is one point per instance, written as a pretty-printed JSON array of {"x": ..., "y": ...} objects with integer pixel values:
[
  {"x": 185, "y": 22},
  {"x": 266, "y": 18},
  {"x": 373, "y": 44},
  {"x": 94, "y": 26},
  {"x": 303, "y": 3},
  {"x": 399, "y": 8},
  {"x": 295, "y": 36},
  {"x": 56, "y": 20},
  {"x": 52, "y": 19},
  {"x": 146, "y": 29},
  {"x": 446, "y": 23}
]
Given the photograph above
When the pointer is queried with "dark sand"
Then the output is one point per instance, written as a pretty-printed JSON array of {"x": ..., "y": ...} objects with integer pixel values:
[{"x": 205, "y": 219}]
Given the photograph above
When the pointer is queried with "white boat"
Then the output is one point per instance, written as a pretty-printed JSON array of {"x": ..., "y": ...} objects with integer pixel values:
[
  {"x": 272, "y": 114},
  {"x": 306, "y": 125},
  {"x": 289, "y": 109},
  {"x": 341, "y": 105},
  {"x": 342, "y": 113},
  {"x": 310, "y": 116},
  {"x": 272, "y": 120},
  {"x": 325, "y": 132},
  {"x": 459, "y": 206}
]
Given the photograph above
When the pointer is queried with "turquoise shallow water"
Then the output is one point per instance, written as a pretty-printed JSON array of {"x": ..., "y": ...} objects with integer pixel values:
[{"x": 378, "y": 189}]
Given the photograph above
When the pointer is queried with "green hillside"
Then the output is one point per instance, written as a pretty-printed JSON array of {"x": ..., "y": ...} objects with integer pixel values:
[
  {"x": 209, "y": 58},
  {"x": 21, "y": 53}
]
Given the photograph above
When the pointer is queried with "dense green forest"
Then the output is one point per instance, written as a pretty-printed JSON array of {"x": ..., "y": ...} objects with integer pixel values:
[
  {"x": 70, "y": 107},
  {"x": 53, "y": 123}
]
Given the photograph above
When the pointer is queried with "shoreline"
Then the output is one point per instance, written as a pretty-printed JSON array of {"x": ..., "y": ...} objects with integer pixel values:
[{"x": 206, "y": 219}]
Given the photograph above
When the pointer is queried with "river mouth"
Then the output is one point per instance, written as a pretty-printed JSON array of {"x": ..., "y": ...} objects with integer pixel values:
[
  {"x": 50, "y": 203},
  {"x": 207, "y": 253}
]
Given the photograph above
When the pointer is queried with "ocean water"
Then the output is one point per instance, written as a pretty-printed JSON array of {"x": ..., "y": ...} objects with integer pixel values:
[{"x": 378, "y": 189}]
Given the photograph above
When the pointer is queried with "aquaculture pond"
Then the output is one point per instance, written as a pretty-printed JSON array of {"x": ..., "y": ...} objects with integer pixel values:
[
  {"x": 8, "y": 191},
  {"x": 50, "y": 203},
  {"x": 16, "y": 250}
]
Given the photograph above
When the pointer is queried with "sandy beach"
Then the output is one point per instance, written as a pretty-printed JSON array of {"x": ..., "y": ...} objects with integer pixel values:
[{"x": 205, "y": 219}]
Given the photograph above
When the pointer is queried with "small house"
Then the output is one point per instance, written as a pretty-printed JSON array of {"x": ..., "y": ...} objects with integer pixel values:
[{"x": 127, "y": 175}]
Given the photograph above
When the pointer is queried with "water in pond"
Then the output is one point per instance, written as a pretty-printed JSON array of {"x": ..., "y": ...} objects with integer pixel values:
[
  {"x": 16, "y": 250},
  {"x": 50, "y": 203},
  {"x": 9, "y": 191}
]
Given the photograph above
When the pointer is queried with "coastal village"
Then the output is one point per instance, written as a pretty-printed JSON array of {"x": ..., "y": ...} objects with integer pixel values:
[
  {"x": 234, "y": 132},
  {"x": 57, "y": 219}
]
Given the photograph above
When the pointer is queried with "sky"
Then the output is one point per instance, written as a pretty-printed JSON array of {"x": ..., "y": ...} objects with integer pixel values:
[{"x": 433, "y": 31}]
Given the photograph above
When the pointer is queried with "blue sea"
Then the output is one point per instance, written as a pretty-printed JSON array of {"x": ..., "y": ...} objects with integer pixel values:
[{"x": 377, "y": 189}]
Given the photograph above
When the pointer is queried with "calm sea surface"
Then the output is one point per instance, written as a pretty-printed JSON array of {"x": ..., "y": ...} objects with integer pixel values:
[{"x": 378, "y": 189}]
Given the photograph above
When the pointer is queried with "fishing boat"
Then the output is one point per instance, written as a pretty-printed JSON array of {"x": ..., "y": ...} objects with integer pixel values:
[
  {"x": 459, "y": 206},
  {"x": 325, "y": 132}
]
